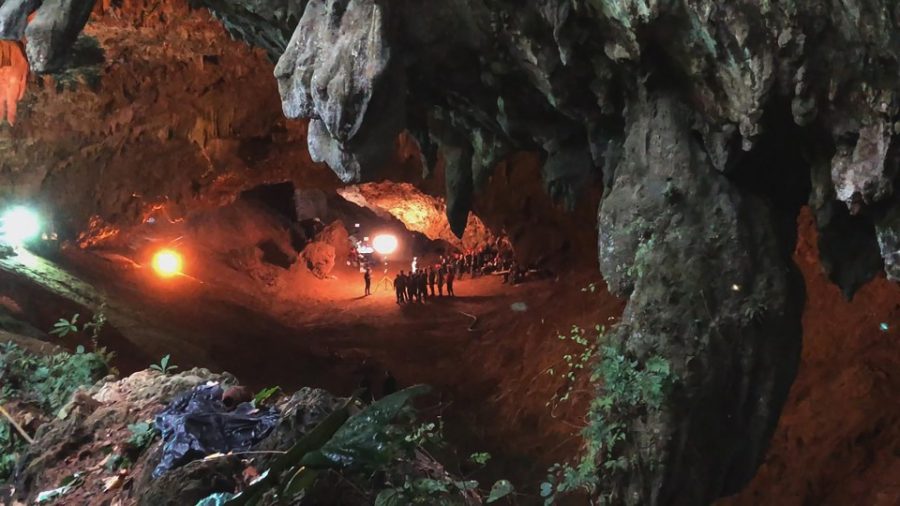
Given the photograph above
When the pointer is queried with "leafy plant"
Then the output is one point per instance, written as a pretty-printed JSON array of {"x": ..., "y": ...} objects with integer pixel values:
[
  {"x": 44, "y": 381},
  {"x": 383, "y": 439},
  {"x": 47, "y": 381},
  {"x": 64, "y": 327},
  {"x": 630, "y": 389},
  {"x": 575, "y": 362},
  {"x": 501, "y": 489},
  {"x": 426, "y": 433},
  {"x": 164, "y": 366},
  {"x": 142, "y": 434},
  {"x": 264, "y": 395},
  {"x": 10, "y": 446},
  {"x": 98, "y": 321},
  {"x": 480, "y": 458}
]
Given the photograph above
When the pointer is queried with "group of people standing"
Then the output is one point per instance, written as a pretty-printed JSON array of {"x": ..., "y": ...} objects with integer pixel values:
[{"x": 418, "y": 286}]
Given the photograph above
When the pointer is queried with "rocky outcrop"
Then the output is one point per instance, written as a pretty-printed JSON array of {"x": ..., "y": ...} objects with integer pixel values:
[
  {"x": 417, "y": 211},
  {"x": 92, "y": 427},
  {"x": 338, "y": 56},
  {"x": 492, "y": 77},
  {"x": 53, "y": 31},
  {"x": 319, "y": 258},
  {"x": 710, "y": 289},
  {"x": 480, "y": 80},
  {"x": 14, "y": 18}
]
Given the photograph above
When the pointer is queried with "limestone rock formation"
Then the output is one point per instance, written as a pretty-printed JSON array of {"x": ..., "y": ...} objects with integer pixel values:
[
  {"x": 14, "y": 17},
  {"x": 52, "y": 32},
  {"x": 329, "y": 72},
  {"x": 711, "y": 289},
  {"x": 418, "y": 211}
]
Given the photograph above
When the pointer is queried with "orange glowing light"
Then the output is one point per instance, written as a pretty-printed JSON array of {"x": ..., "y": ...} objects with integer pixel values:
[
  {"x": 167, "y": 263},
  {"x": 384, "y": 244}
]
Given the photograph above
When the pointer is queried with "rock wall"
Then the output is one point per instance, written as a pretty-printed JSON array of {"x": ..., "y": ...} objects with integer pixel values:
[
  {"x": 711, "y": 289},
  {"x": 417, "y": 210}
]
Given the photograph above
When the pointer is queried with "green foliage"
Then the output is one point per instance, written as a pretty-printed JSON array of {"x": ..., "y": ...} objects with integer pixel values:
[
  {"x": 577, "y": 361},
  {"x": 47, "y": 381},
  {"x": 501, "y": 489},
  {"x": 142, "y": 434},
  {"x": 98, "y": 321},
  {"x": 480, "y": 458},
  {"x": 116, "y": 462},
  {"x": 64, "y": 327},
  {"x": 367, "y": 440},
  {"x": 164, "y": 366},
  {"x": 383, "y": 439},
  {"x": 10, "y": 446},
  {"x": 628, "y": 389},
  {"x": 427, "y": 433},
  {"x": 289, "y": 463},
  {"x": 44, "y": 381},
  {"x": 265, "y": 394}
]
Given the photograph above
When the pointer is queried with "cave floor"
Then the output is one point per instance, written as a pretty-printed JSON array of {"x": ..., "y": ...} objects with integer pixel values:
[{"x": 303, "y": 331}]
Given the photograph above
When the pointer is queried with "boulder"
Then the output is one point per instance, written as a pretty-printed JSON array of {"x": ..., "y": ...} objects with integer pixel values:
[
  {"x": 337, "y": 237},
  {"x": 319, "y": 258}
]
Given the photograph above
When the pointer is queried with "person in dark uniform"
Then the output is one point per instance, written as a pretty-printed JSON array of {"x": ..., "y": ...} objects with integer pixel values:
[
  {"x": 409, "y": 287},
  {"x": 400, "y": 287},
  {"x": 451, "y": 275},
  {"x": 440, "y": 281},
  {"x": 423, "y": 285},
  {"x": 432, "y": 279},
  {"x": 368, "y": 278}
]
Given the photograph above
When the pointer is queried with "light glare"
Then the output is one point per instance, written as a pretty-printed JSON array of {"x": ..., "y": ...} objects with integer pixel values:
[
  {"x": 384, "y": 244},
  {"x": 19, "y": 225},
  {"x": 167, "y": 263}
]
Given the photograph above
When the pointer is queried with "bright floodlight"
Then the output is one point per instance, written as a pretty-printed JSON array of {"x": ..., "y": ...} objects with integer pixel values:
[
  {"x": 19, "y": 225},
  {"x": 167, "y": 263},
  {"x": 384, "y": 244}
]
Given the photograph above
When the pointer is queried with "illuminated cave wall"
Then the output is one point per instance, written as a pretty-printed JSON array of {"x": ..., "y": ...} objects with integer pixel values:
[{"x": 418, "y": 211}]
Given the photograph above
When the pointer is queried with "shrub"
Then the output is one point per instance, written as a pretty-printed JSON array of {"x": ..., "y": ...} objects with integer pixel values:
[
  {"x": 44, "y": 381},
  {"x": 47, "y": 381},
  {"x": 627, "y": 388}
]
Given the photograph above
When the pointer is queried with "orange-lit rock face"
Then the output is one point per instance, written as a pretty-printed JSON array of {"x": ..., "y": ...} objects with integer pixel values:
[
  {"x": 180, "y": 116},
  {"x": 13, "y": 78},
  {"x": 418, "y": 211},
  {"x": 839, "y": 436}
]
